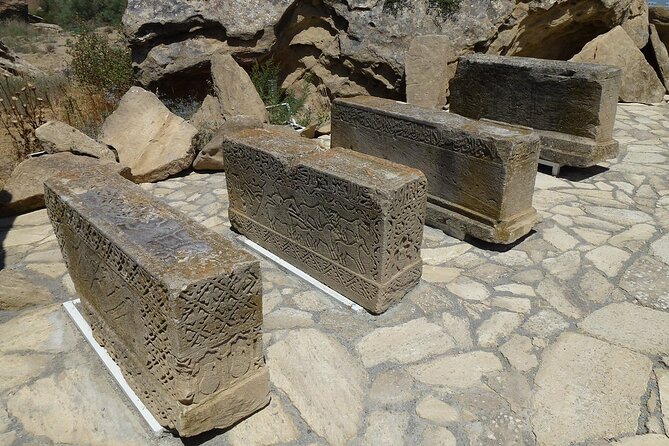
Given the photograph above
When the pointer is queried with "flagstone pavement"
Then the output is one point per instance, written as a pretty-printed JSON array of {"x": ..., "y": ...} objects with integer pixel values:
[{"x": 562, "y": 339}]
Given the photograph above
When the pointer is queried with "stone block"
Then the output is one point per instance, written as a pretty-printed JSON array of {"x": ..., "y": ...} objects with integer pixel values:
[
  {"x": 350, "y": 220},
  {"x": 480, "y": 174},
  {"x": 571, "y": 105},
  {"x": 177, "y": 306}
]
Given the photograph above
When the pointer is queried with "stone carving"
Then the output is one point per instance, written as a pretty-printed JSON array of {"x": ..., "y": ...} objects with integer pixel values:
[
  {"x": 571, "y": 105},
  {"x": 352, "y": 221},
  {"x": 178, "y": 307},
  {"x": 480, "y": 174}
]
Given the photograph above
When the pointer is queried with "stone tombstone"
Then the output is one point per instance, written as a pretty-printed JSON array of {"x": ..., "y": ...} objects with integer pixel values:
[
  {"x": 480, "y": 174},
  {"x": 571, "y": 105},
  {"x": 350, "y": 220},
  {"x": 176, "y": 305}
]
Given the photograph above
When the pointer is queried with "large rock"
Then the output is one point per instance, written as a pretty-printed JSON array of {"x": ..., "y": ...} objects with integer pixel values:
[
  {"x": 353, "y": 47},
  {"x": 14, "y": 10},
  {"x": 24, "y": 191},
  {"x": 234, "y": 89},
  {"x": 430, "y": 66},
  {"x": 640, "y": 83},
  {"x": 209, "y": 117},
  {"x": 211, "y": 156},
  {"x": 56, "y": 136},
  {"x": 636, "y": 25},
  {"x": 659, "y": 16},
  {"x": 587, "y": 389},
  {"x": 149, "y": 139},
  {"x": 661, "y": 56},
  {"x": 11, "y": 65}
]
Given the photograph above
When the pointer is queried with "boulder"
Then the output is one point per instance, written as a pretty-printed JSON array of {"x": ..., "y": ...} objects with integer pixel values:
[
  {"x": 11, "y": 65},
  {"x": 234, "y": 89},
  {"x": 211, "y": 156},
  {"x": 149, "y": 139},
  {"x": 56, "y": 136},
  {"x": 353, "y": 47},
  {"x": 640, "y": 83},
  {"x": 430, "y": 66},
  {"x": 660, "y": 56},
  {"x": 14, "y": 10},
  {"x": 209, "y": 117},
  {"x": 24, "y": 191},
  {"x": 636, "y": 25},
  {"x": 659, "y": 16}
]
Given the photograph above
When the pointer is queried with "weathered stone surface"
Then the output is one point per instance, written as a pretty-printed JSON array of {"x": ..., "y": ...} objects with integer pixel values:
[
  {"x": 659, "y": 17},
  {"x": 234, "y": 89},
  {"x": 631, "y": 326},
  {"x": 301, "y": 363},
  {"x": 587, "y": 389},
  {"x": 647, "y": 280},
  {"x": 56, "y": 136},
  {"x": 24, "y": 191},
  {"x": 572, "y": 106},
  {"x": 404, "y": 343},
  {"x": 353, "y": 221},
  {"x": 429, "y": 66},
  {"x": 268, "y": 427},
  {"x": 644, "y": 440},
  {"x": 14, "y": 10},
  {"x": 494, "y": 204},
  {"x": 149, "y": 139},
  {"x": 176, "y": 305},
  {"x": 209, "y": 117},
  {"x": 636, "y": 25},
  {"x": 457, "y": 372},
  {"x": 639, "y": 81},
  {"x": 17, "y": 292},
  {"x": 211, "y": 156},
  {"x": 661, "y": 56}
]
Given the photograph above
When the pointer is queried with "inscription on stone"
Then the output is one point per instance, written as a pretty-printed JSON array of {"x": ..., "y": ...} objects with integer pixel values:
[
  {"x": 571, "y": 105},
  {"x": 480, "y": 174},
  {"x": 177, "y": 306},
  {"x": 352, "y": 221}
]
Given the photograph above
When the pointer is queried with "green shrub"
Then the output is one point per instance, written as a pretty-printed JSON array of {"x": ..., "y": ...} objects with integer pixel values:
[
  {"x": 99, "y": 63},
  {"x": 70, "y": 13},
  {"x": 282, "y": 104}
]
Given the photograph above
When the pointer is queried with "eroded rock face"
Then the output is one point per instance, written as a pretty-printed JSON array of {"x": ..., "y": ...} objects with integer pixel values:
[
  {"x": 234, "y": 89},
  {"x": 352, "y": 46},
  {"x": 56, "y": 136},
  {"x": 14, "y": 10},
  {"x": 149, "y": 139},
  {"x": 640, "y": 83}
]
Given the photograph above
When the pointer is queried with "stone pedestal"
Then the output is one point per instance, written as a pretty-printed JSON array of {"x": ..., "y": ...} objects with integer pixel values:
[
  {"x": 350, "y": 220},
  {"x": 572, "y": 106},
  {"x": 480, "y": 174},
  {"x": 177, "y": 306}
]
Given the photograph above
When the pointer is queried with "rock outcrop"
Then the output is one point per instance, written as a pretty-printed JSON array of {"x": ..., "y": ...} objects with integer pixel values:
[
  {"x": 236, "y": 93},
  {"x": 659, "y": 16},
  {"x": 351, "y": 46},
  {"x": 149, "y": 139},
  {"x": 13, "y": 10},
  {"x": 658, "y": 55},
  {"x": 11, "y": 65},
  {"x": 640, "y": 83},
  {"x": 56, "y": 137}
]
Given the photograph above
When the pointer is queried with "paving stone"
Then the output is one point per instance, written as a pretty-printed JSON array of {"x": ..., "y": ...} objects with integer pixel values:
[
  {"x": 270, "y": 426},
  {"x": 647, "y": 280},
  {"x": 52, "y": 407},
  {"x": 312, "y": 301},
  {"x": 17, "y": 291},
  {"x": 545, "y": 324},
  {"x": 497, "y": 327},
  {"x": 582, "y": 375},
  {"x": 24, "y": 236},
  {"x": 19, "y": 369},
  {"x": 285, "y": 318},
  {"x": 404, "y": 343},
  {"x": 392, "y": 387},
  {"x": 554, "y": 294},
  {"x": 515, "y": 304},
  {"x": 438, "y": 256},
  {"x": 458, "y": 328},
  {"x": 559, "y": 238},
  {"x": 386, "y": 428},
  {"x": 437, "y": 411},
  {"x": 608, "y": 259},
  {"x": 53, "y": 270},
  {"x": 517, "y": 289},
  {"x": 440, "y": 274},
  {"x": 519, "y": 351},
  {"x": 301, "y": 363},
  {"x": 643, "y": 440},
  {"x": 438, "y": 436},
  {"x": 660, "y": 249},
  {"x": 631, "y": 326},
  {"x": 457, "y": 372},
  {"x": 468, "y": 289},
  {"x": 43, "y": 330}
]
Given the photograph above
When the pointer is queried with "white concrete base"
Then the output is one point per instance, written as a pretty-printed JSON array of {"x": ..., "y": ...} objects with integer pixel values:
[
  {"x": 298, "y": 272},
  {"x": 555, "y": 167},
  {"x": 82, "y": 325}
]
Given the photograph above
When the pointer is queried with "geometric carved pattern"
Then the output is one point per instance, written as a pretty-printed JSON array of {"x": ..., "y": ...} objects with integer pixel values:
[
  {"x": 350, "y": 220},
  {"x": 178, "y": 307}
]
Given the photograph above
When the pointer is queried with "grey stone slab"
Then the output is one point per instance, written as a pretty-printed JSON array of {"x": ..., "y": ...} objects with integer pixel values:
[
  {"x": 350, "y": 220},
  {"x": 480, "y": 174},
  {"x": 571, "y": 105},
  {"x": 177, "y": 306}
]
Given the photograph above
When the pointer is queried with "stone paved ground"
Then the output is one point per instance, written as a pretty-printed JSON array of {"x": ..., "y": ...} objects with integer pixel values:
[{"x": 562, "y": 339}]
